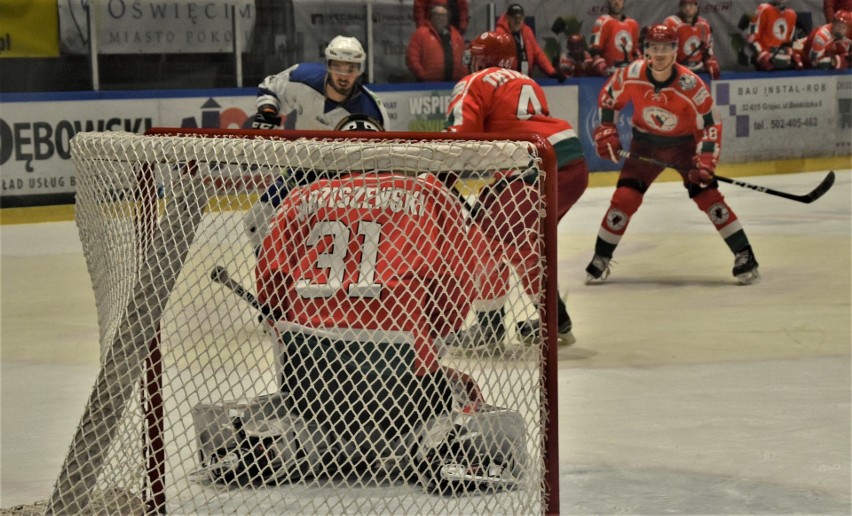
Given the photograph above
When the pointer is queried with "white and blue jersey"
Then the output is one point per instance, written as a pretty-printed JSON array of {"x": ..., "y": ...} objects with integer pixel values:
[{"x": 299, "y": 94}]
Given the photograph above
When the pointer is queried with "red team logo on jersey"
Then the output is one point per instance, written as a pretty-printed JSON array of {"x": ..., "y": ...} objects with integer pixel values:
[
  {"x": 779, "y": 29},
  {"x": 659, "y": 118},
  {"x": 624, "y": 42},
  {"x": 691, "y": 45}
]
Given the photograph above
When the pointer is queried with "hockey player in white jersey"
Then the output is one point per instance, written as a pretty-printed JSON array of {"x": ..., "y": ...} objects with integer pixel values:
[{"x": 316, "y": 96}]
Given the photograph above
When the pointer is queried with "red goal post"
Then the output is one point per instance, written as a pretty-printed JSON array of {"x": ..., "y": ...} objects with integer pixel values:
[{"x": 154, "y": 213}]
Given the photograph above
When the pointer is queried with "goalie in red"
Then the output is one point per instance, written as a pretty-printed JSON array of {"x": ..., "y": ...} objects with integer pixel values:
[
  {"x": 674, "y": 121},
  {"x": 496, "y": 98},
  {"x": 369, "y": 270}
]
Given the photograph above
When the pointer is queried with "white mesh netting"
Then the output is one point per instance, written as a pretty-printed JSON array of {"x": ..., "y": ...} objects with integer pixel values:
[{"x": 279, "y": 326}]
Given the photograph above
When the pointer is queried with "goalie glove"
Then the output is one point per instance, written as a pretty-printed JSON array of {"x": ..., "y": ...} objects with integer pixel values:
[
  {"x": 266, "y": 118},
  {"x": 703, "y": 167},
  {"x": 607, "y": 142}
]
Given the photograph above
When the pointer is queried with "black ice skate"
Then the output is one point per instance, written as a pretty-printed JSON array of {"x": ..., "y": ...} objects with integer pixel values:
[
  {"x": 530, "y": 332},
  {"x": 745, "y": 267},
  {"x": 598, "y": 269}
]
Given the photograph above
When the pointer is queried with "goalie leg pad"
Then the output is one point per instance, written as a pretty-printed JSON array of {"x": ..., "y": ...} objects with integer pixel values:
[
  {"x": 484, "y": 451},
  {"x": 257, "y": 441}
]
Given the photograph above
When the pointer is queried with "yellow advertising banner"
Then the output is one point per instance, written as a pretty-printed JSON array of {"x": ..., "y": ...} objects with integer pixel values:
[{"x": 29, "y": 28}]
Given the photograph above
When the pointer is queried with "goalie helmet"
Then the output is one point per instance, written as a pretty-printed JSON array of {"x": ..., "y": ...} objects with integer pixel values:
[
  {"x": 491, "y": 49},
  {"x": 359, "y": 122},
  {"x": 346, "y": 49}
]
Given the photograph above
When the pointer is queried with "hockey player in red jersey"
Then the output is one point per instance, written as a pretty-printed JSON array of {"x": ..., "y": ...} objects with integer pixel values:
[
  {"x": 369, "y": 270},
  {"x": 495, "y": 98},
  {"x": 576, "y": 61},
  {"x": 694, "y": 39},
  {"x": 615, "y": 39},
  {"x": 675, "y": 121},
  {"x": 828, "y": 47},
  {"x": 770, "y": 35}
]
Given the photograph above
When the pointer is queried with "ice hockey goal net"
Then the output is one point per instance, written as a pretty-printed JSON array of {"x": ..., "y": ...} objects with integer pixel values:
[{"x": 193, "y": 410}]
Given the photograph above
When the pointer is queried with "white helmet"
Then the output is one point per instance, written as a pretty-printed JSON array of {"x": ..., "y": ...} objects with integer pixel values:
[{"x": 346, "y": 49}]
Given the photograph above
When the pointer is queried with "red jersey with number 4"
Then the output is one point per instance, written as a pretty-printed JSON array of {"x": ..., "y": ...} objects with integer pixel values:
[
  {"x": 500, "y": 100},
  {"x": 771, "y": 27},
  {"x": 679, "y": 107},
  {"x": 694, "y": 41},
  {"x": 617, "y": 41},
  {"x": 386, "y": 253}
]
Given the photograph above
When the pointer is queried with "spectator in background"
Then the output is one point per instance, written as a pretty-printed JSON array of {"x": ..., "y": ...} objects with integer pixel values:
[
  {"x": 828, "y": 47},
  {"x": 615, "y": 39},
  {"x": 435, "y": 50},
  {"x": 831, "y": 7},
  {"x": 576, "y": 61},
  {"x": 529, "y": 53},
  {"x": 458, "y": 9},
  {"x": 694, "y": 39},
  {"x": 770, "y": 35}
]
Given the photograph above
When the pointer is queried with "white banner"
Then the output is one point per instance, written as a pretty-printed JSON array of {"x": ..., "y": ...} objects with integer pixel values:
[
  {"x": 777, "y": 117},
  {"x": 156, "y": 26},
  {"x": 34, "y": 136}
]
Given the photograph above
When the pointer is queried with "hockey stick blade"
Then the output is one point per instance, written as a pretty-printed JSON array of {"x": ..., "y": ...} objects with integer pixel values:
[
  {"x": 220, "y": 275},
  {"x": 808, "y": 198}
]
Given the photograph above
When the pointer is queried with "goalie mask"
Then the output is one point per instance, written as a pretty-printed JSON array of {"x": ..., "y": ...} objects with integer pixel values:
[{"x": 359, "y": 122}]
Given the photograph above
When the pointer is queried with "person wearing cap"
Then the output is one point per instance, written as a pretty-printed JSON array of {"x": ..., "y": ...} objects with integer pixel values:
[
  {"x": 529, "y": 54},
  {"x": 435, "y": 50},
  {"x": 458, "y": 10},
  {"x": 316, "y": 96}
]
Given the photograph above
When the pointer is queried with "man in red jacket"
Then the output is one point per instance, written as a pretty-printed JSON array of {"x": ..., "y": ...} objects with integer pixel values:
[
  {"x": 435, "y": 49},
  {"x": 528, "y": 52}
]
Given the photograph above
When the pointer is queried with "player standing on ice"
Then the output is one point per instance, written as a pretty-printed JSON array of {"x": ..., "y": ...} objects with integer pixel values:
[
  {"x": 369, "y": 270},
  {"x": 316, "y": 96},
  {"x": 494, "y": 98},
  {"x": 695, "y": 40},
  {"x": 675, "y": 121}
]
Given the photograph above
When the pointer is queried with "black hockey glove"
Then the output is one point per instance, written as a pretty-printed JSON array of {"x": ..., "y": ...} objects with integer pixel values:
[{"x": 266, "y": 119}]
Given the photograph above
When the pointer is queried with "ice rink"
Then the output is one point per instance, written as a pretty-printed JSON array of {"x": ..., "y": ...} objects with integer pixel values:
[{"x": 685, "y": 392}]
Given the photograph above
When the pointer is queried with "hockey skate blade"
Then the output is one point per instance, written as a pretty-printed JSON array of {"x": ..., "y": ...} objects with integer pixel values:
[
  {"x": 563, "y": 340},
  {"x": 749, "y": 278},
  {"x": 460, "y": 473}
]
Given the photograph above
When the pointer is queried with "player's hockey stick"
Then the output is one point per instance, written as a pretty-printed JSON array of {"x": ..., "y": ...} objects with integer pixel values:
[
  {"x": 808, "y": 198},
  {"x": 220, "y": 275}
]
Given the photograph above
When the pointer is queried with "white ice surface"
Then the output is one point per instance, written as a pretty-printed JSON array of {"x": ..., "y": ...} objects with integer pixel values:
[{"x": 685, "y": 393}]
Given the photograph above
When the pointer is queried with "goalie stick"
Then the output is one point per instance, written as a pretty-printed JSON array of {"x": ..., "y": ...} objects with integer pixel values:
[
  {"x": 220, "y": 275},
  {"x": 808, "y": 198}
]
